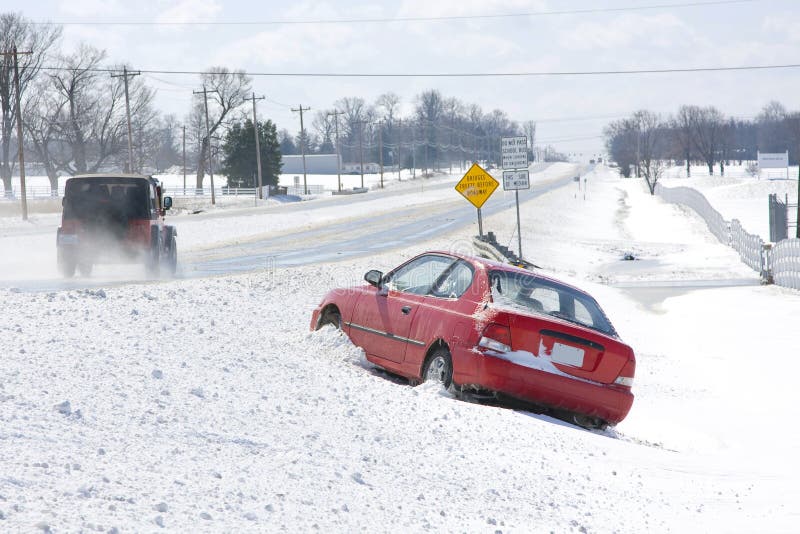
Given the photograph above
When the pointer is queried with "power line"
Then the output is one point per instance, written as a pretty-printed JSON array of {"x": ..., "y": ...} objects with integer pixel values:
[
  {"x": 463, "y": 74},
  {"x": 495, "y": 16}
]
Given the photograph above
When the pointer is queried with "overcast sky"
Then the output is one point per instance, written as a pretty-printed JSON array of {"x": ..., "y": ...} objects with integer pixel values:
[{"x": 571, "y": 110}]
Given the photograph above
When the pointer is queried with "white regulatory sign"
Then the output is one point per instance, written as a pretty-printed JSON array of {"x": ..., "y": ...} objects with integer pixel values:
[
  {"x": 515, "y": 152},
  {"x": 516, "y": 180}
]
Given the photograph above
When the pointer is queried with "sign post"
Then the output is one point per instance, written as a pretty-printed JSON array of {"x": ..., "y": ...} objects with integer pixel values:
[
  {"x": 515, "y": 157},
  {"x": 514, "y": 181},
  {"x": 477, "y": 186}
]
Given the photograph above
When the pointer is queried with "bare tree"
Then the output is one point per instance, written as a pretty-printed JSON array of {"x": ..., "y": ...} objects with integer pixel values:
[
  {"x": 621, "y": 140},
  {"x": 356, "y": 113},
  {"x": 323, "y": 125},
  {"x": 37, "y": 39},
  {"x": 42, "y": 111},
  {"x": 651, "y": 136},
  {"x": 708, "y": 128},
  {"x": 429, "y": 109},
  {"x": 92, "y": 121},
  {"x": 771, "y": 128},
  {"x": 389, "y": 104},
  {"x": 683, "y": 133},
  {"x": 529, "y": 127},
  {"x": 226, "y": 91}
]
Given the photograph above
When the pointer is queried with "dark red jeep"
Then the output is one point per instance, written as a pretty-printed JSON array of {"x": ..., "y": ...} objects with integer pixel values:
[{"x": 115, "y": 218}]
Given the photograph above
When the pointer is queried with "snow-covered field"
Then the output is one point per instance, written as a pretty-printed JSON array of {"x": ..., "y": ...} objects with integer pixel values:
[
  {"x": 207, "y": 405},
  {"x": 738, "y": 195}
]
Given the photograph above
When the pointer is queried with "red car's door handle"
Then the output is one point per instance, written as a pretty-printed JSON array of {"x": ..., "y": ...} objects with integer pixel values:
[{"x": 406, "y": 310}]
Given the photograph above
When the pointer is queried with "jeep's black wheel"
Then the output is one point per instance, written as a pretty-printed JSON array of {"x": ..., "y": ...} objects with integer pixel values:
[
  {"x": 171, "y": 258},
  {"x": 153, "y": 258},
  {"x": 66, "y": 266},
  {"x": 85, "y": 268}
]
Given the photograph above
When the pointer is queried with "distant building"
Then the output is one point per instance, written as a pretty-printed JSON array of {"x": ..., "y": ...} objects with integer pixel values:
[
  {"x": 315, "y": 164},
  {"x": 355, "y": 168}
]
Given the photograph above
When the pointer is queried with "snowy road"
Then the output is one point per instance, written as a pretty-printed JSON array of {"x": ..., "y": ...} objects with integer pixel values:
[
  {"x": 327, "y": 229},
  {"x": 355, "y": 238}
]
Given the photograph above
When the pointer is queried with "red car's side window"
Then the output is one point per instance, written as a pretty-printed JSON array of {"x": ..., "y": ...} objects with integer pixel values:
[
  {"x": 418, "y": 276},
  {"x": 456, "y": 282}
]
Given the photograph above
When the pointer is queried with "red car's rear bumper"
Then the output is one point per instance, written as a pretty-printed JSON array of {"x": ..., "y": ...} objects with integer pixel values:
[{"x": 610, "y": 403}]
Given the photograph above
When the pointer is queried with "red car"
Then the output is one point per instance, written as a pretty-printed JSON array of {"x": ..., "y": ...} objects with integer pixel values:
[{"x": 488, "y": 329}]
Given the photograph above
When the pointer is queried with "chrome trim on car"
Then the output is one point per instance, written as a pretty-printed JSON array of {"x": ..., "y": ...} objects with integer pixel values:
[{"x": 385, "y": 334}]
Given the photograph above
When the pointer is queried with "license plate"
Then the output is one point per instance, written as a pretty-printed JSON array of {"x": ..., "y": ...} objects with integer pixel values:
[
  {"x": 567, "y": 355},
  {"x": 68, "y": 239}
]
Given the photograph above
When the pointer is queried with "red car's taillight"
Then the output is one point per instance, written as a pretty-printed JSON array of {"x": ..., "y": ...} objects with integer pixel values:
[
  {"x": 625, "y": 377},
  {"x": 496, "y": 337}
]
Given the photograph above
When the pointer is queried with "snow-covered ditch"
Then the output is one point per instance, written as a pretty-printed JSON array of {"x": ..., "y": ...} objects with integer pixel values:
[{"x": 207, "y": 405}]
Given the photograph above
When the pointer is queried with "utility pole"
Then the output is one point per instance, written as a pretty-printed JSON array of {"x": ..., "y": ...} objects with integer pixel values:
[
  {"x": 361, "y": 148},
  {"x": 425, "y": 139},
  {"x": 380, "y": 145},
  {"x": 20, "y": 149},
  {"x": 336, "y": 114},
  {"x": 413, "y": 152},
  {"x": 399, "y": 140},
  {"x": 208, "y": 142},
  {"x": 797, "y": 220},
  {"x": 125, "y": 74},
  {"x": 301, "y": 109},
  {"x": 258, "y": 146},
  {"x": 184, "y": 160}
]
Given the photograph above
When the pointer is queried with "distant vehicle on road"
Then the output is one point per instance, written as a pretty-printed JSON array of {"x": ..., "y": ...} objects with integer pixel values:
[
  {"x": 115, "y": 218},
  {"x": 489, "y": 330}
]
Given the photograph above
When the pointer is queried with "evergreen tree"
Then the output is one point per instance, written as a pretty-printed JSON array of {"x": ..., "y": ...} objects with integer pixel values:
[{"x": 239, "y": 154}]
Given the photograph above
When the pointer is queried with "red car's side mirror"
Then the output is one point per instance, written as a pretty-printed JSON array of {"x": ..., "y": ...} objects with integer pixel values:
[{"x": 374, "y": 277}]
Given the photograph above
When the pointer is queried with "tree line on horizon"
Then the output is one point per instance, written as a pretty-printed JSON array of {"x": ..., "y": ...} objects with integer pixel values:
[
  {"x": 75, "y": 121},
  {"x": 645, "y": 143}
]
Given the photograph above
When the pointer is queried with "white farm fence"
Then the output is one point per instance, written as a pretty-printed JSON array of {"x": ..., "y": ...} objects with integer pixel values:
[{"x": 780, "y": 264}]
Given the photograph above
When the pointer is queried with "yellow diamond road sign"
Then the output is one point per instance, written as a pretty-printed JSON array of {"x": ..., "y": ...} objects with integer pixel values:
[{"x": 477, "y": 185}]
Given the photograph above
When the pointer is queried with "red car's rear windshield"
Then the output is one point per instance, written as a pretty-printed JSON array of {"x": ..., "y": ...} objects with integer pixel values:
[
  {"x": 85, "y": 197},
  {"x": 528, "y": 293}
]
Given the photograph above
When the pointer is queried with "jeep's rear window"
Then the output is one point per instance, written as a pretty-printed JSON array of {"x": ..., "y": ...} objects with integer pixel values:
[{"x": 84, "y": 198}]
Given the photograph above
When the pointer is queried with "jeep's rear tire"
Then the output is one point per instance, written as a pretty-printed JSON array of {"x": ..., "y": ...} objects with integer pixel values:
[
  {"x": 153, "y": 258},
  {"x": 170, "y": 258},
  {"x": 66, "y": 264},
  {"x": 85, "y": 268}
]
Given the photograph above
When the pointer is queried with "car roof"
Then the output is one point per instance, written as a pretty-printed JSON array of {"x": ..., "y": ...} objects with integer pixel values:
[
  {"x": 110, "y": 175},
  {"x": 502, "y": 267}
]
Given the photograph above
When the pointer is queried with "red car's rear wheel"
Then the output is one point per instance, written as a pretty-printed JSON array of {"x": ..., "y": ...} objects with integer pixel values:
[{"x": 439, "y": 368}]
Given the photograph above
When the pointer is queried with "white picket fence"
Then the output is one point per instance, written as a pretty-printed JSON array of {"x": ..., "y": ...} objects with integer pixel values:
[
  {"x": 785, "y": 263},
  {"x": 749, "y": 246},
  {"x": 692, "y": 198},
  {"x": 780, "y": 263}
]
